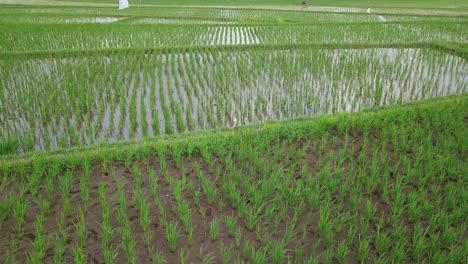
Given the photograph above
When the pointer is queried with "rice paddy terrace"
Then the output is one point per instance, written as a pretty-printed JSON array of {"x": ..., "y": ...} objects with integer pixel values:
[{"x": 207, "y": 132}]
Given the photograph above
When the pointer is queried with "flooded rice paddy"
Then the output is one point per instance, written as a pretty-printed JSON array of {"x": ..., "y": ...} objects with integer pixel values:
[
  {"x": 123, "y": 35},
  {"x": 51, "y": 103}
]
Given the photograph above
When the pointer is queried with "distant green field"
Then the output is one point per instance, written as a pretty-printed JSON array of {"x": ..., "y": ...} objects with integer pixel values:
[{"x": 357, "y": 3}]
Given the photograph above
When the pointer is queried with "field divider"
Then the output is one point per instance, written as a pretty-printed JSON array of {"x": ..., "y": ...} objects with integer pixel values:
[
  {"x": 293, "y": 128},
  {"x": 454, "y": 48}
]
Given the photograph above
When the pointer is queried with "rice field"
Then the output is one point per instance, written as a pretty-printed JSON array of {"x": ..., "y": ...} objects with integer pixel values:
[
  {"x": 213, "y": 133},
  {"x": 79, "y": 36},
  {"x": 131, "y": 96},
  {"x": 340, "y": 189}
]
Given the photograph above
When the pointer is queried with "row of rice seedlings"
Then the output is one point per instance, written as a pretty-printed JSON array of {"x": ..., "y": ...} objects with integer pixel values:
[
  {"x": 230, "y": 35},
  {"x": 172, "y": 233},
  {"x": 47, "y": 178},
  {"x": 60, "y": 239},
  {"x": 109, "y": 250},
  {"x": 156, "y": 255},
  {"x": 143, "y": 206},
  {"x": 198, "y": 93},
  {"x": 163, "y": 94},
  {"x": 184, "y": 90},
  {"x": 60, "y": 37},
  {"x": 176, "y": 117},
  {"x": 128, "y": 242}
]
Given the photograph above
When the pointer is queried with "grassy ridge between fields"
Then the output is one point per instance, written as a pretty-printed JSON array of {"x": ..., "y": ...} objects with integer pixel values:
[
  {"x": 459, "y": 49},
  {"x": 450, "y": 113}
]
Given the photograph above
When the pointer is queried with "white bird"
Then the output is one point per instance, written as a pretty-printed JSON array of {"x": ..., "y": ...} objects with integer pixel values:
[
  {"x": 233, "y": 124},
  {"x": 368, "y": 10}
]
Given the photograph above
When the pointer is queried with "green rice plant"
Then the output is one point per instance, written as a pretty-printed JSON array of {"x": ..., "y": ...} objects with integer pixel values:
[
  {"x": 238, "y": 237},
  {"x": 299, "y": 254},
  {"x": 143, "y": 209},
  {"x": 86, "y": 168},
  {"x": 12, "y": 249},
  {"x": 289, "y": 233},
  {"x": 110, "y": 254},
  {"x": 19, "y": 212},
  {"x": 214, "y": 229},
  {"x": 208, "y": 259},
  {"x": 209, "y": 189},
  {"x": 342, "y": 252},
  {"x": 329, "y": 236},
  {"x": 34, "y": 182},
  {"x": 278, "y": 252},
  {"x": 107, "y": 233},
  {"x": 351, "y": 235},
  {"x": 79, "y": 254},
  {"x": 258, "y": 256},
  {"x": 196, "y": 197},
  {"x": 66, "y": 183},
  {"x": 172, "y": 235},
  {"x": 137, "y": 177},
  {"x": 252, "y": 216},
  {"x": 418, "y": 245},
  {"x": 50, "y": 185},
  {"x": 84, "y": 192},
  {"x": 102, "y": 188},
  {"x": 414, "y": 209},
  {"x": 5, "y": 207},
  {"x": 363, "y": 250},
  {"x": 157, "y": 257},
  {"x": 80, "y": 227},
  {"x": 382, "y": 241},
  {"x": 247, "y": 249},
  {"x": 355, "y": 199},
  {"x": 329, "y": 255},
  {"x": 399, "y": 252},
  {"x": 226, "y": 253},
  {"x": 449, "y": 236},
  {"x": 183, "y": 256},
  {"x": 152, "y": 181},
  {"x": 185, "y": 214},
  {"x": 40, "y": 244},
  {"x": 65, "y": 187},
  {"x": 59, "y": 248},
  {"x": 369, "y": 211},
  {"x": 231, "y": 224},
  {"x": 324, "y": 219},
  {"x": 314, "y": 259},
  {"x": 128, "y": 244},
  {"x": 230, "y": 190},
  {"x": 44, "y": 204}
]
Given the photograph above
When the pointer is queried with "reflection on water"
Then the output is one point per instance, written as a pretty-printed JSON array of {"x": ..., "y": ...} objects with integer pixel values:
[{"x": 75, "y": 101}]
